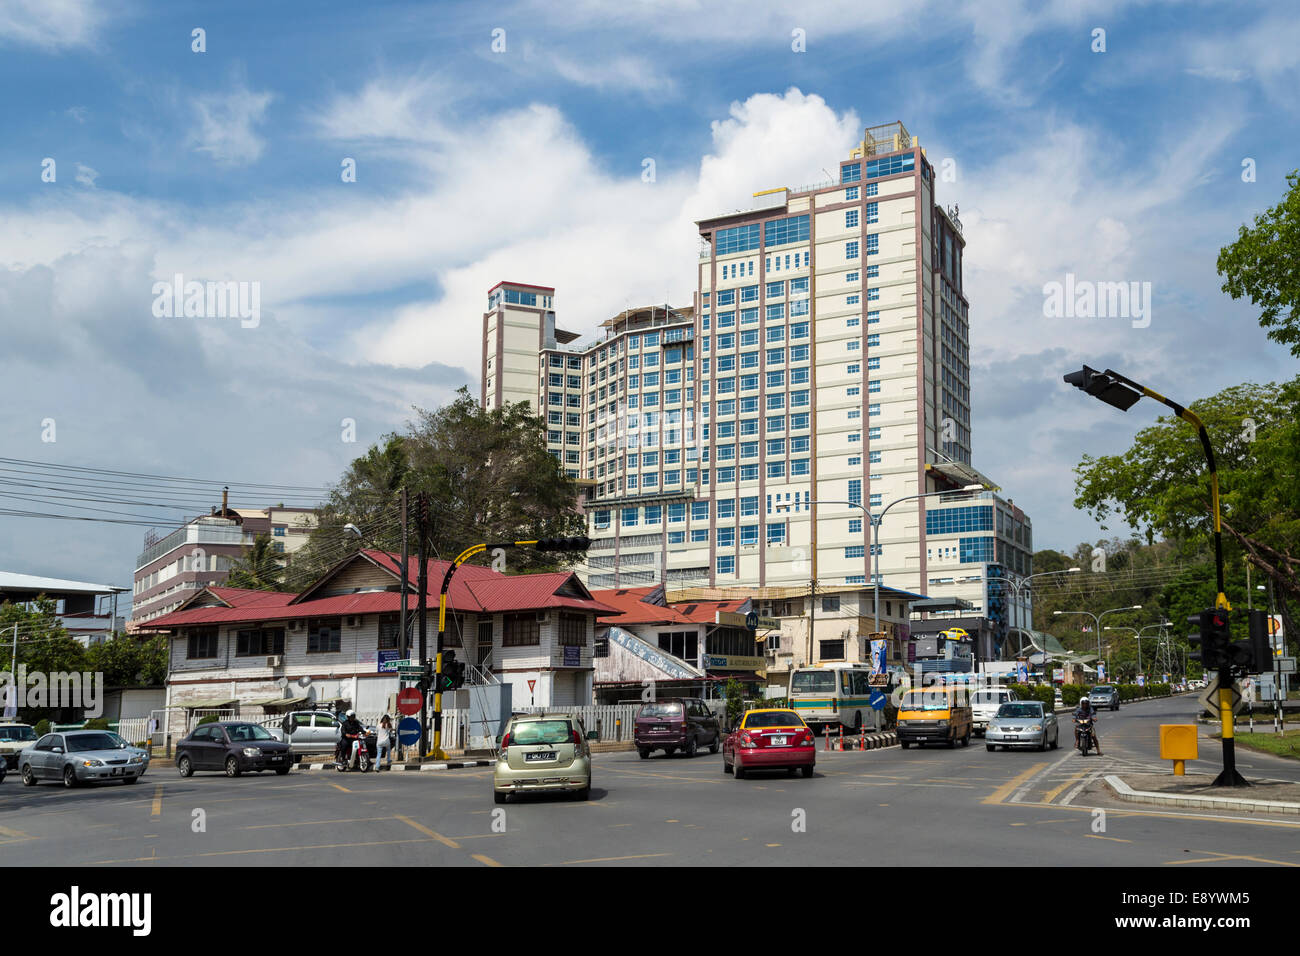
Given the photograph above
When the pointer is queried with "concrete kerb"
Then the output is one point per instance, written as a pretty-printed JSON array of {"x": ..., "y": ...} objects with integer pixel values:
[
  {"x": 409, "y": 766},
  {"x": 1124, "y": 792}
]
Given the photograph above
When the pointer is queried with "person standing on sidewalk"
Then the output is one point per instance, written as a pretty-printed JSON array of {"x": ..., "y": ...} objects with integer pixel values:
[{"x": 384, "y": 742}]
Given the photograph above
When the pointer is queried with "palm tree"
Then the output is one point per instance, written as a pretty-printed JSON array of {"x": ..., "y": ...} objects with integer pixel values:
[{"x": 261, "y": 568}]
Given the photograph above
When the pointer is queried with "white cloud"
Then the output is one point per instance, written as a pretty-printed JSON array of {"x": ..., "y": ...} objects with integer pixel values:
[
  {"x": 1227, "y": 74},
  {"x": 50, "y": 24},
  {"x": 225, "y": 125},
  {"x": 86, "y": 176},
  {"x": 401, "y": 108},
  {"x": 78, "y": 113}
]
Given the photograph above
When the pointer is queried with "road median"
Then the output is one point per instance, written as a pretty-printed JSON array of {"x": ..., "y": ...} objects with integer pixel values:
[{"x": 1197, "y": 792}]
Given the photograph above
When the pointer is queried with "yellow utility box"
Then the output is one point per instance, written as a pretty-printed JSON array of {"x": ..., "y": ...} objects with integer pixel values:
[{"x": 1178, "y": 743}]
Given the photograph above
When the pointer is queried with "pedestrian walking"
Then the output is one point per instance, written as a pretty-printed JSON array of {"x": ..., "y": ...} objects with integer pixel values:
[{"x": 384, "y": 741}]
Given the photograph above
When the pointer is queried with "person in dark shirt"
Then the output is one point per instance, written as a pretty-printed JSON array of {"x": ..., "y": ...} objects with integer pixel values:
[
  {"x": 1085, "y": 710},
  {"x": 352, "y": 735}
]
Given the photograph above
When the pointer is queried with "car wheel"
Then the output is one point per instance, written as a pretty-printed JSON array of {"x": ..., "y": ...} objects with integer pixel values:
[
  {"x": 713, "y": 747},
  {"x": 669, "y": 751},
  {"x": 952, "y": 742},
  {"x": 29, "y": 778},
  {"x": 1043, "y": 745},
  {"x": 1056, "y": 741},
  {"x": 726, "y": 767},
  {"x": 738, "y": 771},
  {"x": 281, "y": 771},
  {"x": 132, "y": 779},
  {"x": 806, "y": 771},
  {"x": 499, "y": 796},
  {"x": 232, "y": 766},
  {"x": 69, "y": 777},
  {"x": 904, "y": 744},
  {"x": 644, "y": 752},
  {"x": 691, "y": 746},
  {"x": 965, "y": 741},
  {"x": 184, "y": 767},
  {"x": 791, "y": 771},
  {"x": 990, "y": 748},
  {"x": 857, "y": 722}
]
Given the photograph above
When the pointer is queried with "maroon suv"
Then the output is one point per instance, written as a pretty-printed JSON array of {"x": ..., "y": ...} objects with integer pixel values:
[{"x": 676, "y": 723}]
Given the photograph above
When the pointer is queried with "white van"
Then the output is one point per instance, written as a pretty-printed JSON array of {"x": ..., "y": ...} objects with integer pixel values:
[{"x": 985, "y": 703}]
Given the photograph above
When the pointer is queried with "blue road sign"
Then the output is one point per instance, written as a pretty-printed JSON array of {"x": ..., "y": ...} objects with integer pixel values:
[
  {"x": 877, "y": 699},
  {"x": 408, "y": 731}
]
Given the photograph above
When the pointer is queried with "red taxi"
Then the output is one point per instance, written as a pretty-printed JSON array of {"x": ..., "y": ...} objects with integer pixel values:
[{"x": 769, "y": 740}]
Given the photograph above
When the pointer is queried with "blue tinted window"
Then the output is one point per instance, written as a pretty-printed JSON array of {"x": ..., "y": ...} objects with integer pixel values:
[
  {"x": 735, "y": 239},
  {"x": 975, "y": 550},
  {"x": 778, "y": 232},
  {"x": 889, "y": 166},
  {"x": 851, "y": 172},
  {"x": 958, "y": 520}
]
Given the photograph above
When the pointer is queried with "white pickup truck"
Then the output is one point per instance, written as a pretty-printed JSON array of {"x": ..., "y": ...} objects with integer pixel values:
[{"x": 984, "y": 705}]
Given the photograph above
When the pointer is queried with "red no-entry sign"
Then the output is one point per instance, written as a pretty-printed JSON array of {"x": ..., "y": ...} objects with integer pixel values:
[{"x": 409, "y": 701}]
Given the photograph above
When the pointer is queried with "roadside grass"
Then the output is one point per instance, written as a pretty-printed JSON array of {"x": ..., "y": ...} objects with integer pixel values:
[{"x": 1284, "y": 745}]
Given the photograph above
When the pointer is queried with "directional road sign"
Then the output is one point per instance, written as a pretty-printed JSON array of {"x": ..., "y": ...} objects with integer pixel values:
[
  {"x": 1210, "y": 699},
  {"x": 408, "y": 731}
]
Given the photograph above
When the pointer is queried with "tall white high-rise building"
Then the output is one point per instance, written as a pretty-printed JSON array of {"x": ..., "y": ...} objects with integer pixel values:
[{"x": 820, "y": 378}]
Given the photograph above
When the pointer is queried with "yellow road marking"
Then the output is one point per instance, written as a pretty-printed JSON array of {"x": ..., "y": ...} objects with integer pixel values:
[
  {"x": 267, "y": 849},
  {"x": 1098, "y": 836},
  {"x": 485, "y": 860},
  {"x": 427, "y": 832},
  {"x": 1055, "y": 792},
  {"x": 611, "y": 859},
  {"x": 771, "y": 844},
  {"x": 157, "y": 801},
  {"x": 11, "y": 834},
  {"x": 1218, "y": 857},
  {"x": 310, "y": 823},
  {"x": 337, "y": 787},
  {"x": 1001, "y": 793}
]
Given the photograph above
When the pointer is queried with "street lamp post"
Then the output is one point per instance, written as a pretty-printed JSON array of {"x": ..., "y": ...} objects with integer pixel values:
[
  {"x": 874, "y": 544},
  {"x": 1097, "y": 620},
  {"x": 1017, "y": 585},
  {"x": 1138, "y": 635}
]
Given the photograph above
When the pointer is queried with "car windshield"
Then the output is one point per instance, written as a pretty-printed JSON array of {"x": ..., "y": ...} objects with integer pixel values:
[
  {"x": 541, "y": 732},
  {"x": 1020, "y": 710},
  {"x": 85, "y": 742},
  {"x": 988, "y": 697},
  {"x": 249, "y": 732},
  {"x": 774, "y": 718},
  {"x": 665, "y": 709},
  {"x": 925, "y": 700},
  {"x": 1103, "y": 691},
  {"x": 812, "y": 682},
  {"x": 13, "y": 734}
]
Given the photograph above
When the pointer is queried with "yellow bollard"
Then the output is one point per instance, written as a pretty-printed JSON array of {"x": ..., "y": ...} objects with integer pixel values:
[{"x": 1178, "y": 743}]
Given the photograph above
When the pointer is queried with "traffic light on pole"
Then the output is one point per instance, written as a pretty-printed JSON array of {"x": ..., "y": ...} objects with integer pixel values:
[
  {"x": 1105, "y": 386},
  {"x": 1211, "y": 637},
  {"x": 1253, "y": 655}
]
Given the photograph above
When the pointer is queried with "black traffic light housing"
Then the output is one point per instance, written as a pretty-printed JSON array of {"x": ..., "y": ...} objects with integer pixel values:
[
  {"x": 1212, "y": 637},
  {"x": 1105, "y": 386},
  {"x": 563, "y": 544},
  {"x": 1253, "y": 655},
  {"x": 453, "y": 673}
]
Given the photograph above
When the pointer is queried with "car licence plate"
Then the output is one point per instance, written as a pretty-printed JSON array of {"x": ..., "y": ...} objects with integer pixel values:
[
  {"x": 1010, "y": 736},
  {"x": 539, "y": 755},
  {"x": 780, "y": 741},
  {"x": 117, "y": 771}
]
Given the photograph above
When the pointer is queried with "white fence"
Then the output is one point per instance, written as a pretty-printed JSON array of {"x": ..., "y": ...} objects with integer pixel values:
[{"x": 612, "y": 722}]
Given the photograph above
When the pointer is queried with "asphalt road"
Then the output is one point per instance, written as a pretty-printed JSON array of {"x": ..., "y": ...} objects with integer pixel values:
[{"x": 930, "y": 806}]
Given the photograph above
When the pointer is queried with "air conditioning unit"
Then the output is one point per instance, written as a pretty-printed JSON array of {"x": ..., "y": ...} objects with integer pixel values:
[
  {"x": 541, "y": 617},
  {"x": 275, "y": 660},
  {"x": 293, "y": 625}
]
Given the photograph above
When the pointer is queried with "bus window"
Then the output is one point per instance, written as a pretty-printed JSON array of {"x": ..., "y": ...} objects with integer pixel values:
[{"x": 813, "y": 682}]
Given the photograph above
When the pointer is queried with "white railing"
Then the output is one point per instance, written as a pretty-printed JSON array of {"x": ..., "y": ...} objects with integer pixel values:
[{"x": 613, "y": 722}]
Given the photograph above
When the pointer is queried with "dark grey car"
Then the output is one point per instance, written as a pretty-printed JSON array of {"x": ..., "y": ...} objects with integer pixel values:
[
  {"x": 82, "y": 756},
  {"x": 1104, "y": 695},
  {"x": 232, "y": 746}
]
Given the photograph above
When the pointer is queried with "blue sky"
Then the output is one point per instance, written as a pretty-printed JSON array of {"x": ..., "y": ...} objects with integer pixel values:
[{"x": 475, "y": 165}]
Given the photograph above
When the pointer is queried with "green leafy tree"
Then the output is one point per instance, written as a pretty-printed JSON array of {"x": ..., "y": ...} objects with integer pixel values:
[
  {"x": 734, "y": 692},
  {"x": 261, "y": 567},
  {"x": 1264, "y": 265},
  {"x": 43, "y": 645},
  {"x": 1161, "y": 487},
  {"x": 125, "y": 660},
  {"x": 488, "y": 477}
]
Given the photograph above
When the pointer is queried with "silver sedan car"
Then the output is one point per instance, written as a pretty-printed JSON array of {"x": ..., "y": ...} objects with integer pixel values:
[
  {"x": 82, "y": 756},
  {"x": 1023, "y": 723}
]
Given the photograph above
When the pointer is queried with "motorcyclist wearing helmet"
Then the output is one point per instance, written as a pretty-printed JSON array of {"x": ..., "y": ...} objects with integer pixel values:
[
  {"x": 352, "y": 736},
  {"x": 1085, "y": 711}
]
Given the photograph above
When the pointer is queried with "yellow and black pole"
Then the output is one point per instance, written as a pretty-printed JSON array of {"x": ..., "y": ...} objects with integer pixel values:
[
  {"x": 1122, "y": 393},
  {"x": 541, "y": 544}
]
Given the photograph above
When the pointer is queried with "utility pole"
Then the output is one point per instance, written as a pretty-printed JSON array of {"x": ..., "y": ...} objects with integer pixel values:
[
  {"x": 422, "y": 608},
  {"x": 402, "y": 642}
]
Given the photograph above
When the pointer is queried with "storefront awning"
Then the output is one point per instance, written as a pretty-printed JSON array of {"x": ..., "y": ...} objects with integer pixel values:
[
  {"x": 280, "y": 702},
  {"x": 217, "y": 703}
]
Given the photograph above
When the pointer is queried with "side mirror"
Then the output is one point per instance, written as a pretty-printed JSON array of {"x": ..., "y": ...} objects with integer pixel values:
[{"x": 56, "y": 750}]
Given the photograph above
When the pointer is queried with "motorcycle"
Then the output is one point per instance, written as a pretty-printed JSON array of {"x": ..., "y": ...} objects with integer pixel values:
[
  {"x": 1084, "y": 727},
  {"x": 349, "y": 756}
]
